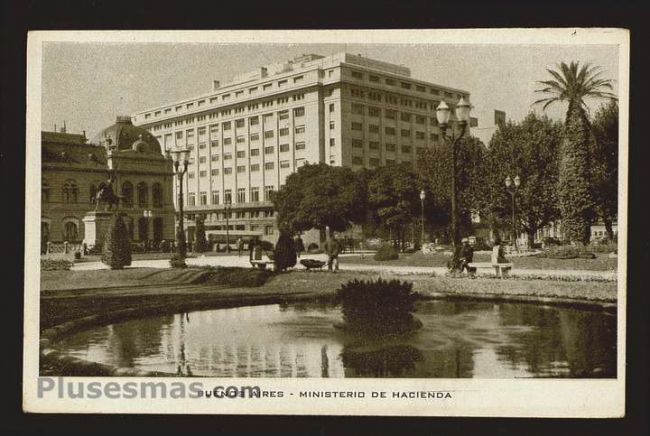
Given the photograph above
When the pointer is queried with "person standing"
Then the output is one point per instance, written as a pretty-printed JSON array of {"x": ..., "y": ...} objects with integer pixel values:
[
  {"x": 240, "y": 246},
  {"x": 298, "y": 245},
  {"x": 467, "y": 255},
  {"x": 332, "y": 249}
]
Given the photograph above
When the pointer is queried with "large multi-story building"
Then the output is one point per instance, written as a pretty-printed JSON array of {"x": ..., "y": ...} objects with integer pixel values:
[{"x": 248, "y": 135}]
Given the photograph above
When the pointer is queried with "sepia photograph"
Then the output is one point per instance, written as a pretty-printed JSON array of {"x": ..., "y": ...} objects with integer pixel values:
[{"x": 430, "y": 218}]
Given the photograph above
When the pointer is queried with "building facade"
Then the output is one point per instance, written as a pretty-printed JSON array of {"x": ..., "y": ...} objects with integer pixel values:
[
  {"x": 248, "y": 135},
  {"x": 73, "y": 169}
]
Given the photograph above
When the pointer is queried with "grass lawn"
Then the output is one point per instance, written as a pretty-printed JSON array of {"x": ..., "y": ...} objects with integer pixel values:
[{"x": 601, "y": 263}]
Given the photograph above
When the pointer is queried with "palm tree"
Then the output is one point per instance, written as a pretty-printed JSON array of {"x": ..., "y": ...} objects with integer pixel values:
[{"x": 573, "y": 84}]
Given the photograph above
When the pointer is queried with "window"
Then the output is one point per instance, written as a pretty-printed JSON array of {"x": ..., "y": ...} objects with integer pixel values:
[
  {"x": 284, "y": 164},
  {"x": 227, "y": 156},
  {"x": 255, "y": 136},
  {"x": 283, "y": 115},
  {"x": 255, "y": 168},
  {"x": 215, "y": 197},
  {"x": 202, "y": 145},
  {"x": 357, "y": 160},
  {"x": 357, "y": 109},
  {"x": 284, "y": 131},
  {"x": 390, "y": 162},
  {"x": 254, "y": 121},
  {"x": 226, "y": 125},
  {"x": 266, "y": 86},
  {"x": 70, "y": 232},
  {"x": 227, "y": 196},
  {"x": 203, "y": 173},
  {"x": 357, "y": 75},
  {"x": 179, "y": 135},
  {"x": 241, "y": 195},
  {"x": 390, "y": 147},
  {"x": 373, "y": 145},
  {"x": 300, "y": 162},
  {"x": 331, "y": 107},
  {"x": 419, "y": 119},
  {"x": 255, "y": 195},
  {"x": 143, "y": 194},
  {"x": 269, "y": 165},
  {"x": 227, "y": 170},
  {"x": 389, "y": 130},
  {"x": 373, "y": 78},
  {"x": 255, "y": 152},
  {"x": 70, "y": 192},
  {"x": 374, "y": 111},
  {"x": 227, "y": 141},
  {"x": 373, "y": 128},
  {"x": 268, "y": 191},
  {"x": 127, "y": 194},
  {"x": 406, "y": 133},
  {"x": 357, "y": 143},
  {"x": 215, "y": 158},
  {"x": 434, "y": 136},
  {"x": 203, "y": 198},
  {"x": 268, "y": 134},
  {"x": 190, "y": 175},
  {"x": 202, "y": 159},
  {"x": 390, "y": 82},
  {"x": 284, "y": 147},
  {"x": 332, "y": 125},
  {"x": 404, "y": 116},
  {"x": 406, "y": 85},
  {"x": 332, "y": 142},
  {"x": 419, "y": 135},
  {"x": 299, "y": 112},
  {"x": 241, "y": 153},
  {"x": 357, "y": 126},
  {"x": 268, "y": 230},
  {"x": 191, "y": 199},
  {"x": 300, "y": 145},
  {"x": 214, "y": 172},
  {"x": 434, "y": 91},
  {"x": 406, "y": 149},
  {"x": 420, "y": 150},
  {"x": 269, "y": 150},
  {"x": 252, "y": 90},
  {"x": 374, "y": 161},
  {"x": 239, "y": 122},
  {"x": 390, "y": 114},
  {"x": 241, "y": 168},
  {"x": 300, "y": 129},
  {"x": 282, "y": 83}
]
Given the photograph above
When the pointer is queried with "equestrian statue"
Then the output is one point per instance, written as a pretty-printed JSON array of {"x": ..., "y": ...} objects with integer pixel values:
[{"x": 105, "y": 193}]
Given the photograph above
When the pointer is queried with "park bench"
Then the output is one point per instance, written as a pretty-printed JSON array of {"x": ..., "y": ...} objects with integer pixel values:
[
  {"x": 500, "y": 269},
  {"x": 261, "y": 264},
  {"x": 257, "y": 260}
]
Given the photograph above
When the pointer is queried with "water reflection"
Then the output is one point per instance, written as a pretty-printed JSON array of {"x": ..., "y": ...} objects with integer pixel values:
[{"x": 457, "y": 340}]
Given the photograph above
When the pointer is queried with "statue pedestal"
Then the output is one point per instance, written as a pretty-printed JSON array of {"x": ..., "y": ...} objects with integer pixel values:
[{"x": 95, "y": 225}]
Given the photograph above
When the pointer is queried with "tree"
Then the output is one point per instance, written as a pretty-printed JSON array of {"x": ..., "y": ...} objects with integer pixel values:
[
  {"x": 320, "y": 196},
  {"x": 434, "y": 173},
  {"x": 117, "y": 247},
  {"x": 530, "y": 150},
  {"x": 573, "y": 83},
  {"x": 605, "y": 164},
  {"x": 201, "y": 243},
  {"x": 285, "y": 252},
  {"x": 393, "y": 197}
]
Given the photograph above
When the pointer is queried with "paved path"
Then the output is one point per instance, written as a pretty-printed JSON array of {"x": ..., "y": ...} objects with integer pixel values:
[{"x": 242, "y": 261}]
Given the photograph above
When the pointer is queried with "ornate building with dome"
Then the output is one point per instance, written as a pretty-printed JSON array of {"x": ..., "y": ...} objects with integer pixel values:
[{"x": 73, "y": 169}]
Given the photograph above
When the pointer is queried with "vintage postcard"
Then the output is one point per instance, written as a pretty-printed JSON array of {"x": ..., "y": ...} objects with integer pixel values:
[{"x": 373, "y": 222}]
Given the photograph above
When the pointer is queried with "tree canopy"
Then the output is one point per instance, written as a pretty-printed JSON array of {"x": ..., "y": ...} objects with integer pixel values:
[
  {"x": 605, "y": 164},
  {"x": 318, "y": 196}
]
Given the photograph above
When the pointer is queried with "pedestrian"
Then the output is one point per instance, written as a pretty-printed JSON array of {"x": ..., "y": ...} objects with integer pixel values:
[
  {"x": 497, "y": 251},
  {"x": 240, "y": 246},
  {"x": 332, "y": 249},
  {"x": 298, "y": 245},
  {"x": 466, "y": 256}
]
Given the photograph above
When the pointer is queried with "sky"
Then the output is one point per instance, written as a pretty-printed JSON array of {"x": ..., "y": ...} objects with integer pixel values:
[{"x": 88, "y": 84}]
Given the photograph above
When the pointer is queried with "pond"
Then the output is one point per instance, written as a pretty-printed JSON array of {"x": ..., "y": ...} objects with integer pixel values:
[{"x": 457, "y": 340}]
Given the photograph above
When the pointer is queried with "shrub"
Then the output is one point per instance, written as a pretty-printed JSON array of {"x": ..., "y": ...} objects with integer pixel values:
[
  {"x": 239, "y": 277},
  {"x": 117, "y": 248},
  {"x": 164, "y": 246},
  {"x": 312, "y": 247},
  {"x": 386, "y": 252},
  {"x": 177, "y": 262},
  {"x": 77, "y": 255},
  {"x": 201, "y": 244},
  {"x": 551, "y": 241},
  {"x": 378, "y": 307},
  {"x": 55, "y": 264},
  {"x": 285, "y": 252}
]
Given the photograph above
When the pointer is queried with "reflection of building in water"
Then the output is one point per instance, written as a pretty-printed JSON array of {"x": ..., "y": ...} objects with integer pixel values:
[
  {"x": 260, "y": 341},
  {"x": 133, "y": 340}
]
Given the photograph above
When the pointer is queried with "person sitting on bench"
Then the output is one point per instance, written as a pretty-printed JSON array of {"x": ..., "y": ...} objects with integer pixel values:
[{"x": 466, "y": 256}]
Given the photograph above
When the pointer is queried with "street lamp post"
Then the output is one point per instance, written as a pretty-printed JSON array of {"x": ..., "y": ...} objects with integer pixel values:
[
  {"x": 512, "y": 190},
  {"x": 180, "y": 168},
  {"x": 146, "y": 214},
  {"x": 422, "y": 197},
  {"x": 443, "y": 114},
  {"x": 228, "y": 203}
]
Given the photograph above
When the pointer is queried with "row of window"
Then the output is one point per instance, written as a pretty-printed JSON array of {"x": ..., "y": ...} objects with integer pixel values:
[
  {"x": 389, "y": 147},
  {"x": 374, "y": 161},
  {"x": 70, "y": 193},
  {"x": 404, "y": 85},
  {"x": 282, "y": 115},
  {"x": 395, "y": 99},
  {"x": 392, "y": 131},
  {"x": 390, "y": 114},
  {"x": 253, "y": 197},
  {"x": 242, "y": 169}
]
